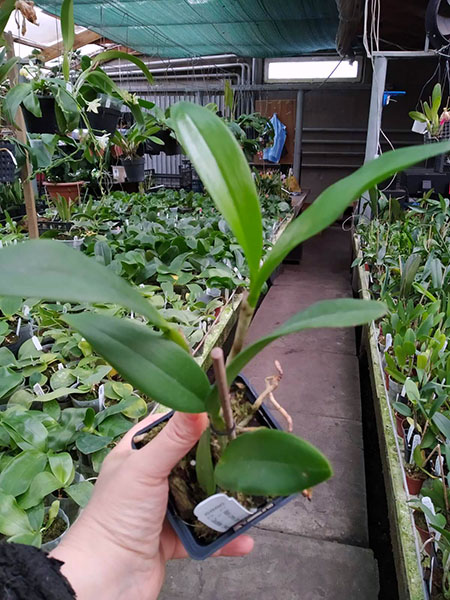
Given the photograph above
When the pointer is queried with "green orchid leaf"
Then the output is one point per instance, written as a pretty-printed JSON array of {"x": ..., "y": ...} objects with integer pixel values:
[
  {"x": 14, "y": 99},
  {"x": 49, "y": 270},
  {"x": 204, "y": 465},
  {"x": 67, "y": 25},
  {"x": 443, "y": 424},
  {"x": 16, "y": 478},
  {"x": 9, "y": 380},
  {"x": 157, "y": 367},
  {"x": 29, "y": 539},
  {"x": 344, "y": 312},
  {"x": 270, "y": 462},
  {"x": 6, "y": 68},
  {"x": 26, "y": 430},
  {"x": 62, "y": 467},
  {"x": 334, "y": 200},
  {"x": 402, "y": 409},
  {"x": 115, "y": 426},
  {"x": 224, "y": 170},
  {"x": 119, "y": 55},
  {"x": 80, "y": 492},
  {"x": 87, "y": 443},
  {"x": 43, "y": 484},
  {"x": 13, "y": 519}
]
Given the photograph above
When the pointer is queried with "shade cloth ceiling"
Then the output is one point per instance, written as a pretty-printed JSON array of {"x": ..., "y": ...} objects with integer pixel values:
[{"x": 187, "y": 28}]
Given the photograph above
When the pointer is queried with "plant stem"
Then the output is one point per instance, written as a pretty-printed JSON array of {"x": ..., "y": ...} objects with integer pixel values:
[
  {"x": 245, "y": 317},
  {"x": 441, "y": 462},
  {"x": 222, "y": 386}
]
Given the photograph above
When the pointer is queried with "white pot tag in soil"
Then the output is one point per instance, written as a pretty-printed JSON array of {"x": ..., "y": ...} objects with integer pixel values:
[
  {"x": 428, "y": 502},
  {"x": 219, "y": 512},
  {"x": 36, "y": 343},
  {"x": 37, "y": 389},
  {"x": 19, "y": 325},
  {"x": 416, "y": 442}
]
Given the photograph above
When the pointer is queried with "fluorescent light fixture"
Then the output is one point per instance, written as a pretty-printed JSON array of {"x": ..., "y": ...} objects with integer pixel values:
[{"x": 310, "y": 69}]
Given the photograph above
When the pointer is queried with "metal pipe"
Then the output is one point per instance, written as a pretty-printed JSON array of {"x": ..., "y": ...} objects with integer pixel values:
[
  {"x": 298, "y": 135},
  {"x": 138, "y": 72}
]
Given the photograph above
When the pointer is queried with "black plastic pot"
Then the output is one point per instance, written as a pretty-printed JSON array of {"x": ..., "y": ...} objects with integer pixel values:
[
  {"x": 196, "y": 549},
  {"x": 7, "y": 166},
  {"x": 25, "y": 333},
  {"x": 105, "y": 120},
  {"x": 45, "y": 124},
  {"x": 134, "y": 168},
  {"x": 171, "y": 146}
]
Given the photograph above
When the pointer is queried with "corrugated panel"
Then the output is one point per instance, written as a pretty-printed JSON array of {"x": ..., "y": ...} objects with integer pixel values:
[
  {"x": 162, "y": 163},
  {"x": 177, "y": 28}
]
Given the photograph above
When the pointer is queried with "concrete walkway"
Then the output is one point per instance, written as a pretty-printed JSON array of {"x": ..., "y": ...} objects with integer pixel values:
[{"x": 318, "y": 549}]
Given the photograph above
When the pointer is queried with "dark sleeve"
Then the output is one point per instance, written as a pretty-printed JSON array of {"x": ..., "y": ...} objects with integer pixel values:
[{"x": 27, "y": 573}]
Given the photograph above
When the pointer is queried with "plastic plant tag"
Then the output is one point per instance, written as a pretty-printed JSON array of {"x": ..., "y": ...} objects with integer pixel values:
[
  {"x": 428, "y": 502},
  {"x": 19, "y": 325},
  {"x": 60, "y": 366},
  {"x": 219, "y": 512},
  {"x": 26, "y": 310},
  {"x": 437, "y": 466},
  {"x": 108, "y": 102},
  {"x": 37, "y": 389},
  {"x": 36, "y": 343},
  {"x": 410, "y": 433},
  {"x": 388, "y": 342},
  {"x": 416, "y": 442},
  {"x": 101, "y": 394}
]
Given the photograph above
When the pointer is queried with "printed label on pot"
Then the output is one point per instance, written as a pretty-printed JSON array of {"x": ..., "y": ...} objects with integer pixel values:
[{"x": 219, "y": 512}]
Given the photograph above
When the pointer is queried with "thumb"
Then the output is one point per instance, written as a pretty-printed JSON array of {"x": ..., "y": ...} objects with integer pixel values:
[{"x": 173, "y": 443}]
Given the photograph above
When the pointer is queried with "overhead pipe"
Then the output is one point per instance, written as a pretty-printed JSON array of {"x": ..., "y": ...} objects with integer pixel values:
[{"x": 138, "y": 72}]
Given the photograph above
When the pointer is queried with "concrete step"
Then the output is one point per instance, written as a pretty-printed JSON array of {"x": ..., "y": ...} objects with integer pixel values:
[{"x": 281, "y": 567}]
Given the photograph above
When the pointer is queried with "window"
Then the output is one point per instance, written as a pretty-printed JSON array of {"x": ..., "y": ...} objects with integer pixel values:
[{"x": 310, "y": 69}]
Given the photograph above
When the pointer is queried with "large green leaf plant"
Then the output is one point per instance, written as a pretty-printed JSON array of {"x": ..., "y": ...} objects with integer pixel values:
[{"x": 155, "y": 359}]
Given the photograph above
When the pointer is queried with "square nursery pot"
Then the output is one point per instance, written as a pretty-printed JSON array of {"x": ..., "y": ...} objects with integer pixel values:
[
  {"x": 7, "y": 166},
  {"x": 195, "y": 548},
  {"x": 25, "y": 333}
]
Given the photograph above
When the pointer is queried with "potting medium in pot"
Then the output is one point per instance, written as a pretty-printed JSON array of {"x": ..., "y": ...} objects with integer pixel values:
[
  {"x": 48, "y": 546},
  {"x": 197, "y": 548}
]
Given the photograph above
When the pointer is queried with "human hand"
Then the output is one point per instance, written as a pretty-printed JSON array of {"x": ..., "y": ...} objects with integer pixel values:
[{"x": 118, "y": 547}]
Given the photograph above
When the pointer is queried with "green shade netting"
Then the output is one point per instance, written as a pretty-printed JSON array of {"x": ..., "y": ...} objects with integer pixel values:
[{"x": 183, "y": 28}]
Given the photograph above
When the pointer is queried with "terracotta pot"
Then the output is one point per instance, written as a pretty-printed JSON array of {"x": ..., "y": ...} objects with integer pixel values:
[
  {"x": 414, "y": 484},
  {"x": 69, "y": 191},
  {"x": 399, "y": 420}
]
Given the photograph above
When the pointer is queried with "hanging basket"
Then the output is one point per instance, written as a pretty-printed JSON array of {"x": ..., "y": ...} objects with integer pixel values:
[{"x": 45, "y": 124}]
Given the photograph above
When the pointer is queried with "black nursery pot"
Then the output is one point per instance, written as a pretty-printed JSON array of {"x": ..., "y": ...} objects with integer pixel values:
[
  {"x": 134, "y": 168},
  {"x": 25, "y": 333},
  {"x": 45, "y": 124},
  {"x": 196, "y": 549},
  {"x": 7, "y": 166},
  {"x": 105, "y": 120}
]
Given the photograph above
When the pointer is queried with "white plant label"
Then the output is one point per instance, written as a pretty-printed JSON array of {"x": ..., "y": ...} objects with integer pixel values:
[
  {"x": 1, "y": 244},
  {"x": 219, "y": 512},
  {"x": 26, "y": 310},
  {"x": 428, "y": 502},
  {"x": 410, "y": 433},
  {"x": 101, "y": 394},
  {"x": 437, "y": 466},
  {"x": 388, "y": 342},
  {"x": 38, "y": 390},
  {"x": 108, "y": 102},
  {"x": 36, "y": 343},
  {"x": 416, "y": 442},
  {"x": 19, "y": 325},
  {"x": 60, "y": 366}
]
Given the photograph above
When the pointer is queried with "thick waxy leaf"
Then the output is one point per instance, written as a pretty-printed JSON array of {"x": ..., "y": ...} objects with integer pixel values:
[
  {"x": 118, "y": 54},
  {"x": 80, "y": 492},
  {"x": 155, "y": 366},
  {"x": 87, "y": 443},
  {"x": 443, "y": 423},
  {"x": 332, "y": 202},
  {"x": 344, "y": 312},
  {"x": 16, "y": 478},
  {"x": 14, "y": 98},
  {"x": 61, "y": 465},
  {"x": 67, "y": 25},
  {"x": 43, "y": 484},
  {"x": 6, "y": 68},
  {"x": 224, "y": 170},
  {"x": 272, "y": 463},
  {"x": 49, "y": 270},
  {"x": 204, "y": 465},
  {"x": 26, "y": 430},
  {"x": 13, "y": 519}
]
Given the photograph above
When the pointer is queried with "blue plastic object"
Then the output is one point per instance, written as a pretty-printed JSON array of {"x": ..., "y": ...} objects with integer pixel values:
[
  {"x": 387, "y": 95},
  {"x": 273, "y": 153},
  {"x": 196, "y": 549}
]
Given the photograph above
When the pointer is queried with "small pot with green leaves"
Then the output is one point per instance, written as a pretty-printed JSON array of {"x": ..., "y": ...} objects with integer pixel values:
[
  {"x": 238, "y": 465},
  {"x": 130, "y": 147}
]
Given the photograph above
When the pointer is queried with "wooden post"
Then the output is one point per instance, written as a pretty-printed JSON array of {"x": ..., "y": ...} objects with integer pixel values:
[{"x": 21, "y": 134}]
